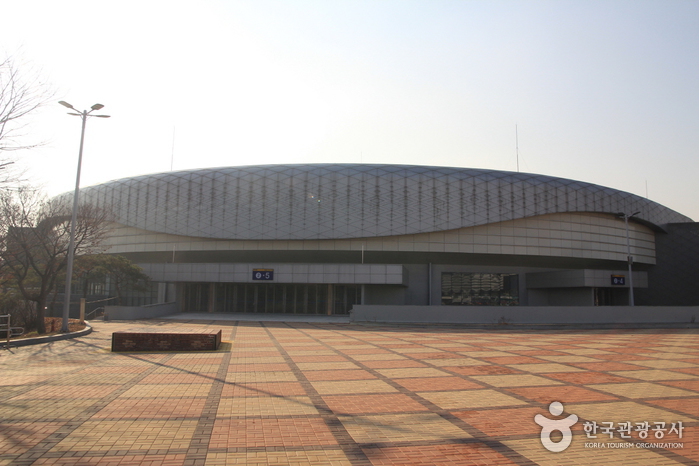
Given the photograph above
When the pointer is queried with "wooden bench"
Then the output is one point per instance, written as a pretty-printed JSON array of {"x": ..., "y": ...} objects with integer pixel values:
[{"x": 128, "y": 341}]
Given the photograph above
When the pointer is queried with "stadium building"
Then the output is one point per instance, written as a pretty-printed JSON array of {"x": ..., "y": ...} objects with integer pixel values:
[{"x": 320, "y": 238}]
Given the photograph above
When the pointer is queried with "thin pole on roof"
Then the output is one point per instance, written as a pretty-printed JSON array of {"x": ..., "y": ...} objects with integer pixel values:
[
  {"x": 517, "y": 147},
  {"x": 172, "y": 153}
]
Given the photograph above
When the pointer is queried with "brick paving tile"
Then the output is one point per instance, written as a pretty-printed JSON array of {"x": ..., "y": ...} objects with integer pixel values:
[
  {"x": 502, "y": 422},
  {"x": 605, "y": 366},
  {"x": 564, "y": 394},
  {"x": 266, "y": 406},
  {"x": 262, "y": 389},
  {"x": 129, "y": 408},
  {"x": 352, "y": 386},
  {"x": 167, "y": 390},
  {"x": 387, "y": 428},
  {"x": 621, "y": 411},
  {"x": 621, "y": 357},
  {"x": 112, "y": 370},
  {"x": 67, "y": 391},
  {"x": 329, "y": 358},
  {"x": 439, "y": 355},
  {"x": 437, "y": 384},
  {"x": 258, "y": 367},
  {"x": 237, "y": 353},
  {"x": 319, "y": 366},
  {"x": 314, "y": 348},
  {"x": 378, "y": 357},
  {"x": 542, "y": 368},
  {"x": 236, "y": 359},
  {"x": 669, "y": 355},
  {"x": 577, "y": 454},
  {"x": 481, "y": 370},
  {"x": 408, "y": 372},
  {"x": 365, "y": 351},
  {"x": 465, "y": 399},
  {"x": 128, "y": 460},
  {"x": 359, "y": 404},
  {"x": 665, "y": 364},
  {"x": 655, "y": 375},
  {"x": 179, "y": 378},
  {"x": 339, "y": 375},
  {"x": 686, "y": 384},
  {"x": 104, "y": 436},
  {"x": 344, "y": 394},
  {"x": 460, "y": 362},
  {"x": 21, "y": 379},
  {"x": 642, "y": 390},
  {"x": 514, "y": 380},
  {"x": 17, "y": 437},
  {"x": 323, "y": 457},
  {"x": 195, "y": 359},
  {"x": 584, "y": 378},
  {"x": 393, "y": 364},
  {"x": 512, "y": 360},
  {"x": 470, "y": 454},
  {"x": 687, "y": 405},
  {"x": 251, "y": 432},
  {"x": 539, "y": 352}
]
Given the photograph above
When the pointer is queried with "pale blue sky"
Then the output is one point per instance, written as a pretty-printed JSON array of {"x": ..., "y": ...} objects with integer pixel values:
[{"x": 601, "y": 91}]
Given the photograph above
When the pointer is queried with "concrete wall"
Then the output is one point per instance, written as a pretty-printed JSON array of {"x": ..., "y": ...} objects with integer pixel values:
[
  {"x": 524, "y": 314},
  {"x": 140, "y": 312},
  {"x": 378, "y": 274},
  {"x": 562, "y": 297}
]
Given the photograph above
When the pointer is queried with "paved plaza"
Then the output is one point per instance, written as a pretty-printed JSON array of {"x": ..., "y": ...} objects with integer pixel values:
[{"x": 322, "y": 393}]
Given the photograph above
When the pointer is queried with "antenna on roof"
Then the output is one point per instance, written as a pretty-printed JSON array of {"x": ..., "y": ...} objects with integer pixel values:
[
  {"x": 517, "y": 146},
  {"x": 172, "y": 154}
]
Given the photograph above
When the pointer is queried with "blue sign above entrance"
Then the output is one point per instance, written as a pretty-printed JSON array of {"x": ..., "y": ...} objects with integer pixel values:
[
  {"x": 618, "y": 280},
  {"x": 263, "y": 274}
]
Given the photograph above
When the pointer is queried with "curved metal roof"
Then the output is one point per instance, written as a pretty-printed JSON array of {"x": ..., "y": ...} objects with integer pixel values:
[{"x": 327, "y": 201}]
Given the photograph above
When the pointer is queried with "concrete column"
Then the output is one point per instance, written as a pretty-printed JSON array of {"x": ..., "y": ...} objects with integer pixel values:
[
  {"x": 331, "y": 299},
  {"x": 82, "y": 310},
  {"x": 212, "y": 297}
]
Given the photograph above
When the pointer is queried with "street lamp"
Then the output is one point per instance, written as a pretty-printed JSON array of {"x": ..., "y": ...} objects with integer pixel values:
[
  {"x": 629, "y": 257},
  {"x": 73, "y": 220}
]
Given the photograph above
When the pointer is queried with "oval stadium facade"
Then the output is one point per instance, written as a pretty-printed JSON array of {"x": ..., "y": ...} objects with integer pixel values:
[{"x": 319, "y": 238}]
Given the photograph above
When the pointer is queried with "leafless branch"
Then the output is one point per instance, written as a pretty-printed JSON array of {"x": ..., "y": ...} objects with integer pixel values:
[{"x": 22, "y": 93}]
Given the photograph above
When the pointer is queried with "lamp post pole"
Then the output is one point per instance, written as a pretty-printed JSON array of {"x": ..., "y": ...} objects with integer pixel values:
[
  {"x": 629, "y": 257},
  {"x": 74, "y": 215}
]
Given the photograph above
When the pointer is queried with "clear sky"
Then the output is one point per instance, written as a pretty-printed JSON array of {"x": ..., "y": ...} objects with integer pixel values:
[{"x": 600, "y": 91}]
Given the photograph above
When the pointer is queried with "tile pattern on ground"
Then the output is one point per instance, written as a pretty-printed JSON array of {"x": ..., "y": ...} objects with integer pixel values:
[{"x": 343, "y": 394}]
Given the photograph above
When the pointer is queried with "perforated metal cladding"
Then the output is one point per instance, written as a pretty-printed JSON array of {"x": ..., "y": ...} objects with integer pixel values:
[{"x": 327, "y": 201}]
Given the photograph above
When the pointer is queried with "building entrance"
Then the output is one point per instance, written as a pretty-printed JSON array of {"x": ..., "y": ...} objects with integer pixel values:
[{"x": 270, "y": 298}]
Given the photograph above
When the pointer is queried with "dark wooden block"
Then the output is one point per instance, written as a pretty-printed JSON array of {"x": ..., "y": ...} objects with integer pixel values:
[{"x": 127, "y": 341}]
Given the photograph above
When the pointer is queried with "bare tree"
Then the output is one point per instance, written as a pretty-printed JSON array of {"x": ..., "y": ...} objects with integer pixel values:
[
  {"x": 21, "y": 94},
  {"x": 34, "y": 242}
]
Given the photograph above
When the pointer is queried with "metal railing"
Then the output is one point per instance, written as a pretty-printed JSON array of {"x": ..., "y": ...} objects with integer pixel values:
[
  {"x": 8, "y": 330},
  {"x": 96, "y": 311}
]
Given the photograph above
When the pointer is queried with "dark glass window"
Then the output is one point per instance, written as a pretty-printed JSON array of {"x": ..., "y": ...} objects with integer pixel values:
[{"x": 480, "y": 289}]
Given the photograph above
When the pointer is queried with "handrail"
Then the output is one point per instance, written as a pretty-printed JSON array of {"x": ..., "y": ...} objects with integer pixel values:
[
  {"x": 94, "y": 311},
  {"x": 7, "y": 328}
]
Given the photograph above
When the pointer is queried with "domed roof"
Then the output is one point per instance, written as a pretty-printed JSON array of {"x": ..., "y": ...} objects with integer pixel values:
[{"x": 328, "y": 201}]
